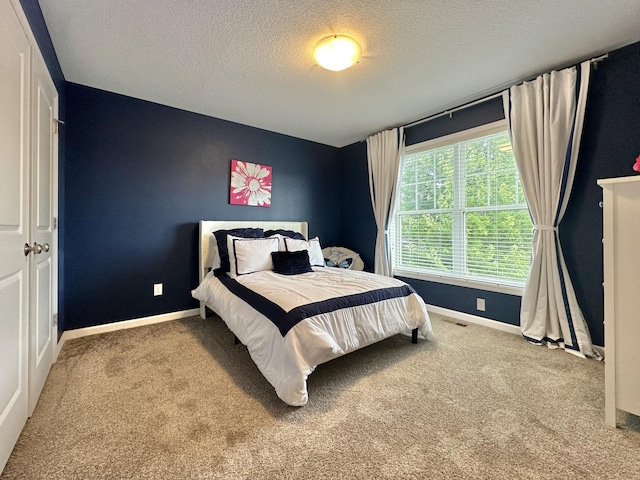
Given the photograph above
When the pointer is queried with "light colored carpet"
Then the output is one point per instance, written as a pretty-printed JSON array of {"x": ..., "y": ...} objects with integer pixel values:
[{"x": 179, "y": 400}]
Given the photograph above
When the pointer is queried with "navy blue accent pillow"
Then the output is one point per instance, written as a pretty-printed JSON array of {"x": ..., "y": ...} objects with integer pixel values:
[
  {"x": 291, "y": 263},
  {"x": 285, "y": 233},
  {"x": 221, "y": 240}
]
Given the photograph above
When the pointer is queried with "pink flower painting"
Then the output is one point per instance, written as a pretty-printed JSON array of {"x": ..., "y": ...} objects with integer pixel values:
[
  {"x": 636, "y": 166},
  {"x": 250, "y": 184}
]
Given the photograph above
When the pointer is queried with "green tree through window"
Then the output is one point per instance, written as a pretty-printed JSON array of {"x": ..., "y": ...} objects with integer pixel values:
[{"x": 461, "y": 210}]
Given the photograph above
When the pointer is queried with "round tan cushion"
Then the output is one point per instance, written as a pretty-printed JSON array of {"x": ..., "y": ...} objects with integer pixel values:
[{"x": 339, "y": 254}]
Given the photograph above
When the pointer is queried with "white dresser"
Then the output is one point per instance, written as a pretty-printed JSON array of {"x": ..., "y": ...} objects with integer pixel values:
[{"x": 621, "y": 228}]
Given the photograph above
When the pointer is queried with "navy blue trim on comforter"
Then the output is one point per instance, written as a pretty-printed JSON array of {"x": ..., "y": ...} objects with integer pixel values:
[{"x": 285, "y": 321}]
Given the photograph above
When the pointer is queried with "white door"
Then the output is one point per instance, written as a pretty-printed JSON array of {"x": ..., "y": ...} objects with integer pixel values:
[
  {"x": 42, "y": 337},
  {"x": 15, "y": 59}
]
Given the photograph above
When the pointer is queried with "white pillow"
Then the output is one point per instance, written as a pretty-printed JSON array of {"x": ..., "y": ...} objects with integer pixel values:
[
  {"x": 316, "y": 259},
  {"x": 249, "y": 255},
  {"x": 281, "y": 246}
]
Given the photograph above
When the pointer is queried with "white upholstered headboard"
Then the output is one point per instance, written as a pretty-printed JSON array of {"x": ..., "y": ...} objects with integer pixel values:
[{"x": 208, "y": 227}]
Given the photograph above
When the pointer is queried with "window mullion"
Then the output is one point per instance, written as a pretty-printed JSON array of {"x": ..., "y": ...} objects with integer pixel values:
[
  {"x": 458, "y": 206},
  {"x": 415, "y": 182}
]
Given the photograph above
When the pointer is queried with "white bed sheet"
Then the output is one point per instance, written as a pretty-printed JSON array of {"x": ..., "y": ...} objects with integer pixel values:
[{"x": 286, "y": 361}]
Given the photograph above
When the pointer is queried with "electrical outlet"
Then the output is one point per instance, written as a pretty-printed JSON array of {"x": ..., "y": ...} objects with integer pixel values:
[
  {"x": 157, "y": 289},
  {"x": 480, "y": 304}
]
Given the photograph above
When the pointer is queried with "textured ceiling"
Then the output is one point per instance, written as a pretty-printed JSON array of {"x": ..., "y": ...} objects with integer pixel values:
[{"x": 250, "y": 61}]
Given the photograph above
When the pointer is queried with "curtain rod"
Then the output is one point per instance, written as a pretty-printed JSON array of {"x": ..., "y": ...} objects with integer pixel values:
[{"x": 451, "y": 111}]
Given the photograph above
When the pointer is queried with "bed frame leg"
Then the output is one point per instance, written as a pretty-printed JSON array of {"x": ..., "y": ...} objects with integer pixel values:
[
  {"x": 414, "y": 335},
  {"x": 235, "y": 340}
]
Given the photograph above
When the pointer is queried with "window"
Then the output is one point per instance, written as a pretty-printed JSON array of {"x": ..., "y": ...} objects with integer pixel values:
[{"x": 461, "y": 215}]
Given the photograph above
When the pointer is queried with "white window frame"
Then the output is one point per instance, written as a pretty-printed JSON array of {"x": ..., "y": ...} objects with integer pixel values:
[{"x": 489, "y": 285}]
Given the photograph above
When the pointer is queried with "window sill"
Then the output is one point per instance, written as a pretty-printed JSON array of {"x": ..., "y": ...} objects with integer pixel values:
[{"x": 460, "y": 282}]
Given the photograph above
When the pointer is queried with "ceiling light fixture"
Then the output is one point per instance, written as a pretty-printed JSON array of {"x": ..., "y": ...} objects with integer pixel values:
[{"x": 337, "y": 53}]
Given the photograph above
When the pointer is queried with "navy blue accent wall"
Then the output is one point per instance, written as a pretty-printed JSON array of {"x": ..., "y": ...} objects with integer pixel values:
[
  {"x": 139, "y": 177},
  {"x": 610, "y": 143},
  {"x": 38, "y": 26},
  {"x": 357, "y": 224},
  {"x": 481, "y": 114},
  {"x": 499, "y": 306}
]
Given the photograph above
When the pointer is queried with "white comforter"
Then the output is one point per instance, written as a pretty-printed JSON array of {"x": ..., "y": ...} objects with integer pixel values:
[{"x": 286, "y": 361}]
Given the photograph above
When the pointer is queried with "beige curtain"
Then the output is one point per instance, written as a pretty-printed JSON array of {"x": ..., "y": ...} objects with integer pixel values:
[
  {"x": 384, "y": 152},
  {"x": 545, "y": 119}
]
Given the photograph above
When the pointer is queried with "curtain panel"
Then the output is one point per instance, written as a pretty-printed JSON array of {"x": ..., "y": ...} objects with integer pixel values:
[
  {"x": 545, "y": 118},
  {"x": 384, "y": 152}
]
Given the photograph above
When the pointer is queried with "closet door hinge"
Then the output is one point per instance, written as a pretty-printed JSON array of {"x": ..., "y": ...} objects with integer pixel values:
[
  {"x": 55, "y": 125},
  {"x": 55, "y": 320},
  {"x": 55, "y": 223}
]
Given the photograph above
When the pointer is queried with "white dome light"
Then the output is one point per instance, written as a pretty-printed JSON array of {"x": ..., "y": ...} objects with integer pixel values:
[{"x": 337, "y": 53}]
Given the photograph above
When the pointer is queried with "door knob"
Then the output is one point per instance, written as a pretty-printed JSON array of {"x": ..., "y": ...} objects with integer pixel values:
[{"x": 36, "y": 248}]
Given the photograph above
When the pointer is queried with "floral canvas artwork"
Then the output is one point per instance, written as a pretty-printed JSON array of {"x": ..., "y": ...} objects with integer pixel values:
[{"x": 250, "y": 184}]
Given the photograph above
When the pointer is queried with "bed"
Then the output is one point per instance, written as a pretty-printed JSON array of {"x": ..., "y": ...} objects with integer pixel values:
[{"x": 292, "y": 323}]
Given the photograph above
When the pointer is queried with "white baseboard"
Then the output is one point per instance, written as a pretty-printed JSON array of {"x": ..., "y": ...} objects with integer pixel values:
[
  {"x": 165, "y": 317},
  {"x": 467, "y": 317},
  {"x": 505, "y": 327},
  {"x": 133, "y": 323}
]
